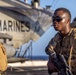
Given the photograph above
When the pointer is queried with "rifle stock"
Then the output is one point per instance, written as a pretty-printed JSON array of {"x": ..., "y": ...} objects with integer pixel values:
[
  {"x": 63, "y": 67},
  {"x": 67, "y": 68}
]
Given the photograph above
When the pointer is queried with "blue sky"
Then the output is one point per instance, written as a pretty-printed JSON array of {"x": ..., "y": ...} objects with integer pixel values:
[
  {"x": 69, "y": 4},
  {"x": 39, "y": 46},
  {"x": 43, "y": 41}
]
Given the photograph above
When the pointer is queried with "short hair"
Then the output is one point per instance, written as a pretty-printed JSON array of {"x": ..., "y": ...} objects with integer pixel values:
[{"x": 64, "y": 10}]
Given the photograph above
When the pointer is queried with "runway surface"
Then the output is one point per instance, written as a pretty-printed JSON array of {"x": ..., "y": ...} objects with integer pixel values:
[
  {"x": 38, "y": 67},
  {"x": 42, "y": 70}
]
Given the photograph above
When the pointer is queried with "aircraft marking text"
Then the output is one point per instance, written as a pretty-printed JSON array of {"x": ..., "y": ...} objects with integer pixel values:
[{"x": 16, "y": 26}]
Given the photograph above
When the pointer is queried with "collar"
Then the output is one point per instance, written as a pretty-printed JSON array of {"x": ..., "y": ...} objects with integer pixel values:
[{"x": 69, "y": 33}]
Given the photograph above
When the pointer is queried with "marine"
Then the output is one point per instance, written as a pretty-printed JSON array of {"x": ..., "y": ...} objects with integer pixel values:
[{"x": 63, "y": 42}]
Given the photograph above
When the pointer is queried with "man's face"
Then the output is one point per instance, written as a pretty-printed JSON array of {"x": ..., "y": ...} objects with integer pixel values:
[{"x": 60, "y": 20}]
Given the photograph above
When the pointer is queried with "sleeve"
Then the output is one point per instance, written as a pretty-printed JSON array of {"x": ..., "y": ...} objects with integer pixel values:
[{"x": 52, "y": 44}]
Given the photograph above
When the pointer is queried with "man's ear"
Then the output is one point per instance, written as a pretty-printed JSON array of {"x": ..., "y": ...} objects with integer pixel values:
[{"x": 68, "y": 21}]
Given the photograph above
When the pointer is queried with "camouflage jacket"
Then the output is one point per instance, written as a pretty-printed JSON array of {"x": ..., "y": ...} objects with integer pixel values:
[{"x": 63, "y": 45}]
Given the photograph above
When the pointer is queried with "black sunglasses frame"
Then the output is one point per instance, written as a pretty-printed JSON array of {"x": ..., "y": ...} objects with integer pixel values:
[{"x": 57, "y": 18}]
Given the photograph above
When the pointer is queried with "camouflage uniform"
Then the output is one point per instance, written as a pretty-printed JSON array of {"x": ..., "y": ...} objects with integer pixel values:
[{"x": 63, "y": 46}]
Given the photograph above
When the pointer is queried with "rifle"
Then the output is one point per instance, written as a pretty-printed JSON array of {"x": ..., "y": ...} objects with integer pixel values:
[{"x": 63, "y": 68}]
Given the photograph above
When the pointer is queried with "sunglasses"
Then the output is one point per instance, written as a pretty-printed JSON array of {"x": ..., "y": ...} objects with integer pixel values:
[{"x": 57, "y": 18}]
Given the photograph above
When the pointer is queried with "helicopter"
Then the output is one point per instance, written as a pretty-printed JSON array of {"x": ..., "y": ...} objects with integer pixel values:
[{"x": 20, "y": 22}]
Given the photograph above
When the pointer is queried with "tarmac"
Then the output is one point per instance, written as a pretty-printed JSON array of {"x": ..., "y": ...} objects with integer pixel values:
[
  {"x": 28, "y": 68},
  {"x": 40, "y": 70}
]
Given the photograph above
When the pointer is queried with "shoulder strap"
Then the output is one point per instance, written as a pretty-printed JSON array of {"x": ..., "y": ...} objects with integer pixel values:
[
  {"x": 71, "y": 49},
  {"x": 69, "y": 61}
]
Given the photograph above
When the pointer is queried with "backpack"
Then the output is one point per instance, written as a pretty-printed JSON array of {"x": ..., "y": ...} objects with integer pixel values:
[{"x": 3, "y": 58}]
